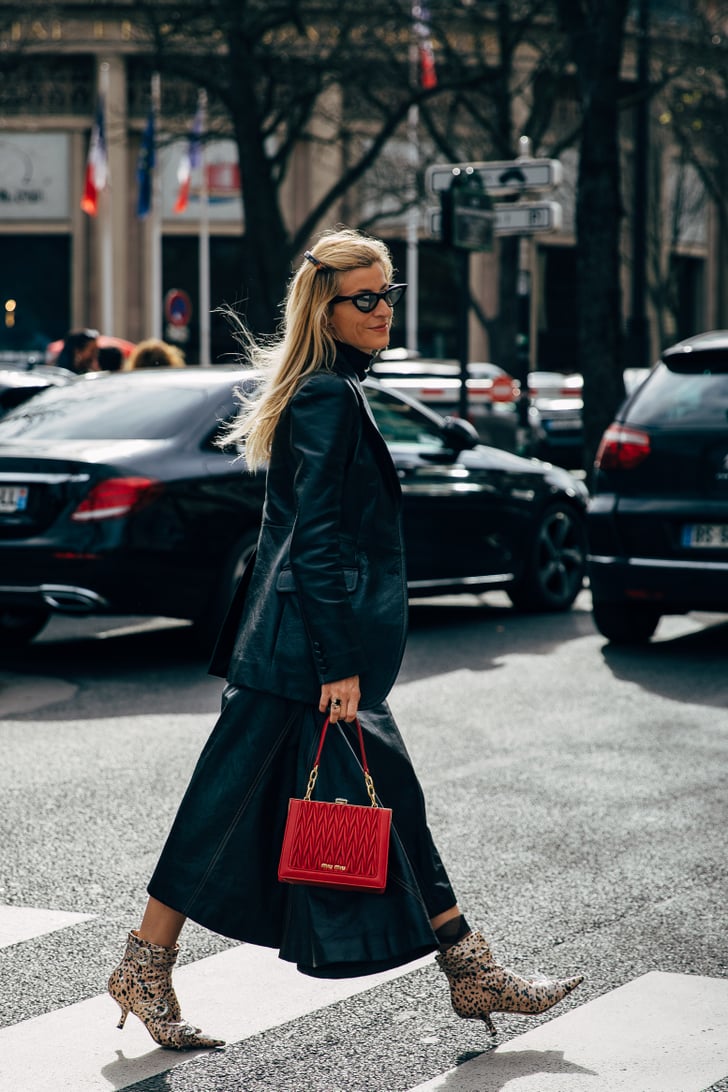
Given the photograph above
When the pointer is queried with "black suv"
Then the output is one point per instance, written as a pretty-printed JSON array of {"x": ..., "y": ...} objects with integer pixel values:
[{"x": 658, "y": 518}]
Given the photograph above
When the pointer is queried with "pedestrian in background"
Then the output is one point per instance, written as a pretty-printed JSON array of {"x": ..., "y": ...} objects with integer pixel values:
[
  {"x": 317, "y": 627},
  {"x": 154, "y": 353},
  {"x": 80, "y": 352},
  {"x": 110, "y": 358}
]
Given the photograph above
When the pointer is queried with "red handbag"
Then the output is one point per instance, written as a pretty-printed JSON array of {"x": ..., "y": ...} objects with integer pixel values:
[{"x": 336, "y": 844}]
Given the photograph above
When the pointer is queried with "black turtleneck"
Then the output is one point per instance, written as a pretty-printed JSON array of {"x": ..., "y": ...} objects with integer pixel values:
[{"x": 350, "y": 359}]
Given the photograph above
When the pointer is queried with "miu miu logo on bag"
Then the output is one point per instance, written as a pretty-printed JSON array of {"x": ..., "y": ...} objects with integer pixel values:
[{"x": 333, "y": 867}]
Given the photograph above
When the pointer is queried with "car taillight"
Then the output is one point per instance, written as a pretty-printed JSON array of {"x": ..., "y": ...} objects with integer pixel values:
[
  {"x": 115, "y": 497},
  {"x": 622, "y": 448}
]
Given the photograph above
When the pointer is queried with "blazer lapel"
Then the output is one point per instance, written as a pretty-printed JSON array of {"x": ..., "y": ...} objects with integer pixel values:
[{"x": 381, "y": 450}]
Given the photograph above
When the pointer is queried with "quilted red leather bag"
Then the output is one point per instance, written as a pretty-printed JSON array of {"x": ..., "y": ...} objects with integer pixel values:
[{"x": 336, "y": 844}]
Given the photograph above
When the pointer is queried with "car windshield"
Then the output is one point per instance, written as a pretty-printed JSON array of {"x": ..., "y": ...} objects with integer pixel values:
[
  {"x": 684, "y": 398},
  {"x": 101, "y": 411},
  {"x": 402, "y": 426}
]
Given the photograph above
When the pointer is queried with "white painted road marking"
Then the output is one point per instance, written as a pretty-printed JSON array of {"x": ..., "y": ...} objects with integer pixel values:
[
  {"x": 80, "y": 1049},
  {"x": 659, "y": 1033},
  {"x": 19, "y": 923}
]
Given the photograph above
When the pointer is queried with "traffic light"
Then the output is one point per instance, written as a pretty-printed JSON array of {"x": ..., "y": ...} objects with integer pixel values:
[{"x": 467, "y": 212}]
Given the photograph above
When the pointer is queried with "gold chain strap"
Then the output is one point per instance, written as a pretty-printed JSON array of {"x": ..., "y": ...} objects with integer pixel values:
[
  {"x": 370, "y": 789},
  {"x": 367, "y": 781},
  {"x": 311, "y": 782}
]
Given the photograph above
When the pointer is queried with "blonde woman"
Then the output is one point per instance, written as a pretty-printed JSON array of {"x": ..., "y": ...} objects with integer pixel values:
[{"x": 316, "y": 627}]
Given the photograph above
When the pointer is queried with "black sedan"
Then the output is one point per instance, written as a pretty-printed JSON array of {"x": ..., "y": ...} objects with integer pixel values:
[
  {"x": 115, "y": 498},
  {"x": 18, "y": 385},
  {"x": 658, "y": 520}
]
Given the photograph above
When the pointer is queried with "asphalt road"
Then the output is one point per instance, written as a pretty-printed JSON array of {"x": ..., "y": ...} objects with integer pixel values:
[{"x": 577, "y": 793}]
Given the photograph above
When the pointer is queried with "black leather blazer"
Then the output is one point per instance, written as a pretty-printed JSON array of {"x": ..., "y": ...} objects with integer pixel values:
[{"x": 326, "y": 596}]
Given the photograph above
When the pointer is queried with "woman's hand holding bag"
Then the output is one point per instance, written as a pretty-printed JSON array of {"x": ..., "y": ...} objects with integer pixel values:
[{"x": 336, "y": 844}]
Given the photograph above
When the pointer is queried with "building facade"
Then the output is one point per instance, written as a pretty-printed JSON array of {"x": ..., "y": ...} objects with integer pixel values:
[{"x": 64, "y": 269}]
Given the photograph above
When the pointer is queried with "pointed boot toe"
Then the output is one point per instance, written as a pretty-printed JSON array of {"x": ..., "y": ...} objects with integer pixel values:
[{"x": 479, "y": 986}]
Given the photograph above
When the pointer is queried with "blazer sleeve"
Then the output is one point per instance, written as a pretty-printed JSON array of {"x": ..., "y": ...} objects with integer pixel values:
[{"x": 324, "y": 429}]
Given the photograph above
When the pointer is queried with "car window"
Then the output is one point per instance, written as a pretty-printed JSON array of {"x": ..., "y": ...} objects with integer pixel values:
[
  {"x": 679, "y": 398},
  {"x": 402, "y": 425},
  {"x": 217, "y": 440},
  {"x": 228, "y": 412},
  {"x": 98, "y": 411}
]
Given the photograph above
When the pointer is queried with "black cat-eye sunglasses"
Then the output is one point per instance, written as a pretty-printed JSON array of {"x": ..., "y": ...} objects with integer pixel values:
[{"x": 367, "y": 301}]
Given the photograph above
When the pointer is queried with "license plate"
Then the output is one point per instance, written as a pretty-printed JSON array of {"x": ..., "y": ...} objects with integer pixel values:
[
  {"x": 558, "y": 424},
  {"x": 705, "y": 535},
  {"x": 13, "y": 498}
]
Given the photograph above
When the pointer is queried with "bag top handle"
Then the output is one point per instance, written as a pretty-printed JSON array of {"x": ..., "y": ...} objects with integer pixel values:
[{"x": 367, "y": 776}]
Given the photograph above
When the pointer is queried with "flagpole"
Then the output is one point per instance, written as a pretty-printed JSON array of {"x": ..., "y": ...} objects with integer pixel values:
[
  {"x": 106, "y": 240},
  {"x": 422, "y": 75},
  {"x": 155, "y": 221},
  {"x": 418, "y": 43},
  {"x": 413, "y": 223},
  {"x": 204, "y": 241},
  {"x": 413, "y": 214}
]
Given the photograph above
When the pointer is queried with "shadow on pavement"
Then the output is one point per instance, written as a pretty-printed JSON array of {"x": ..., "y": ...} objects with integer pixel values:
[
  {"x": 477, "y": 632},
  {"x": 159, "y": 670},
  {"x": 81, "y": 668},
  {"x": 492, "y": 1071},
  {"x": 690, "y": 668}
]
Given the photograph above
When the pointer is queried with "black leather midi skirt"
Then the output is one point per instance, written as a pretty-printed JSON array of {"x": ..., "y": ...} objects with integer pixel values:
[{"x": 219, "y": 864}]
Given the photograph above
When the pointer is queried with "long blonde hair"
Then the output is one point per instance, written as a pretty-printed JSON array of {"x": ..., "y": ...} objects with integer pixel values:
[{"x": 304, "y": 344}]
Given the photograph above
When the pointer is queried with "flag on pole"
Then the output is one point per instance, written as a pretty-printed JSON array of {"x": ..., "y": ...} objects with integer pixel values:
[
  {"x": 146, "y": 163},
  {"x": 191, "y": 159},
  {"x": 97, "y": 163},
  {"x": 426, "y": 56}
]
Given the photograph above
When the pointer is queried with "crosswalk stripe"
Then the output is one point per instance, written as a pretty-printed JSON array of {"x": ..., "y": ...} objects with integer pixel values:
[
  {"x": 234, "y": 995},
  {"x": 19, "y": 923},
  {"x": 660, "y": 1033}
]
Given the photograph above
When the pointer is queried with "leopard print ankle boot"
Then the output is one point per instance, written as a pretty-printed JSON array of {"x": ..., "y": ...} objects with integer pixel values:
[
  {"x": 142, "y": 984},
  {"x": 478, "y": 986}
]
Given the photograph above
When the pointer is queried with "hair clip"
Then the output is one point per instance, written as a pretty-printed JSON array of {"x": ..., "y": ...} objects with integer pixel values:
[{"x": 313, "y": 260}]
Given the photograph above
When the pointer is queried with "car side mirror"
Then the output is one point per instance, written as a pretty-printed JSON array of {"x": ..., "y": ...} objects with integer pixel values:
[{"x": 459, "y": 435}]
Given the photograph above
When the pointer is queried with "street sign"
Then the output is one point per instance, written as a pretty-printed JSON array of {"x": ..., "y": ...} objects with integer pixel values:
[
  {"x": 527, "y": 218},
  {"x": 503, "y": 389},
  {"x": 500, "y": 177},
  {"x": 177, "y": 307}
]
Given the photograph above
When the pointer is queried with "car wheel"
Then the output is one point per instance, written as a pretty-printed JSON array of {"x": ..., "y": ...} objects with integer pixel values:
[
  {"x": 17, "y": 627},
  {"x": 625, "y": 623},
  {"x": 207, "y": 625},
  {"x": 554, "y": 571}
]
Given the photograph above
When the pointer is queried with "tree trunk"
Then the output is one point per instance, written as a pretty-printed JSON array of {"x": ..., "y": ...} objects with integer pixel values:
[
  {"x": 597, "y": 39},
  {"x": 266, "y": 254}
]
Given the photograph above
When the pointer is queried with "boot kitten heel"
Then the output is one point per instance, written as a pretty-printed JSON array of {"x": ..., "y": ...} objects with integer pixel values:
[{"x": 142, "y": 984}]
